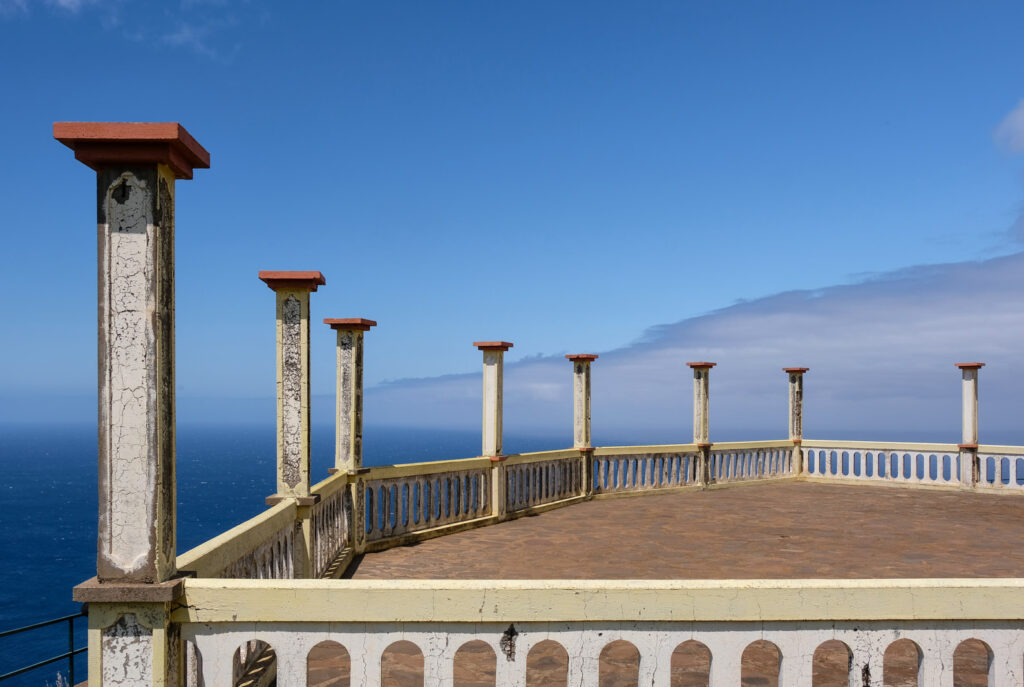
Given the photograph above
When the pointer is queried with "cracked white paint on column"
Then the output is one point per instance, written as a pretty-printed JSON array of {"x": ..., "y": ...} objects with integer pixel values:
[
  {"x": 493, "y": 368},
  {"x": 796, "y": 405},
  {"x": 291, "y": 391},
  {"x": 701, "y": 401},
  {"x": 136, "y": 376},
  {"x": 581, "y": 404},
  {"x": 127, "y": 653},
  {"x": 348, "y": 451},
  {"x": 969, "y": 393}
]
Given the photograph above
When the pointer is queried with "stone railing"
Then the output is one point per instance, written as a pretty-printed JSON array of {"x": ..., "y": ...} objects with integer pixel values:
[
  {"x": 749, "y": 461},
  {"x": 420, "y": 498},
  {"x": 262, "y": 547},
  {"x": 620, "y": 469},
  {"x": 331, "y": 525},
  {"x": 542, "y": 479},
  {"x": 1001, "y": 467},
  {"x": 894, "y": 463},
  {"x": 713, "y": 625}
]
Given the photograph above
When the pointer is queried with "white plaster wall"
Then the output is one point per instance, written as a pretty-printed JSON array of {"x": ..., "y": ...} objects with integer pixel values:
[{"x": 584, "y": 642}]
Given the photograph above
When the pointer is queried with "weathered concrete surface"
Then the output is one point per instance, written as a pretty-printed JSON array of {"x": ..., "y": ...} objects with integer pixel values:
[
  {"x": 701, "y": 401},
  {"x": 791, "y": 530},
  {"x": 127, "y": 653},
  {"x": 348, "y": 440},
  {"x": 136, "y": 374},
  {"x": 581, "y": 399},
  {"x": 291, "y": 396},
  {"x": 492, "y": 402}
]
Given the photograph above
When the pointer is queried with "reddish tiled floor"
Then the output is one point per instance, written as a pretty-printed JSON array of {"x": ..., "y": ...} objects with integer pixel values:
[{"x": 781, "y": 530}]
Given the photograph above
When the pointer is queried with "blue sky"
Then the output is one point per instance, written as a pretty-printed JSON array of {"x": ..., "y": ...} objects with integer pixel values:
[{"x": 566, "y": 176}]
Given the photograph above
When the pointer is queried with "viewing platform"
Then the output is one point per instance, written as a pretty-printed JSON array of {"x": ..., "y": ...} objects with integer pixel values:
[
  {"x": 788, "y": 561},
  {"x": 794, "y": 530}
]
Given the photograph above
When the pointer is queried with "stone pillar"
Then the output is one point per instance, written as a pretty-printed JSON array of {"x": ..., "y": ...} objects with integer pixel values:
[
  {"x": 136, "y": 167},
  {"x": 348, "y": 434},
  {"x": 701, "y": 419},
  {"x": 293, "y": 446},
  {"x": 494, "y": 354},
  {"x": 796, "y": 415},
  {"x": 701, "y": 402},
  {"x": 130, "y": 637},
  {"x": 581, "y": 418},
  {"x": 581, "y": 398},
  {"x": 969, "y": 468}
]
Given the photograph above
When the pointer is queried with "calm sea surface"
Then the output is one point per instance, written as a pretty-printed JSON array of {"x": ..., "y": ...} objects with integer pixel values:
[{"x": 48, "y": 509}]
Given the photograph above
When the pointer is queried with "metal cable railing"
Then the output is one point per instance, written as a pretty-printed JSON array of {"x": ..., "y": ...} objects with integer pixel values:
[{"x": 69, "y": 654}]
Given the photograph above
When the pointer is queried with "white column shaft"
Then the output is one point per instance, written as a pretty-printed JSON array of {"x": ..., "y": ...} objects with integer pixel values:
[
  {"x": 701, "y": 401},
  {"x": 970, "y": 406},
  {"x": 293, "y": 447},
  {"x": 348, "y": 445},
  {"x": 493, "y": 369},
  {"x": 136, "y": 374},
  {"x": 581, "y": 404}
]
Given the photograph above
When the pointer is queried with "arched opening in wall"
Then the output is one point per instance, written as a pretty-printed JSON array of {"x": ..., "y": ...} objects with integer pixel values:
[
  {"x": 831, "y": 664},
  {"x": 901, "y": 664},
  {"x": 760, "y": 665},
  {"x": 328, "y": 665},
  {"x": 401, "y": 665},
  {"x": 475, "y": 665},
  {"x": 619, "y": 665},
  {"x": 691, "y": 665},
  {"x": 547, "y": 665},
  {"x": 972, "y": 663},
  {"x": 254, "y": 665}
]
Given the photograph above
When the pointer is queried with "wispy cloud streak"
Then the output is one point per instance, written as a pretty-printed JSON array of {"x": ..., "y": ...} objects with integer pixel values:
[{"x": 881, "y": 354}]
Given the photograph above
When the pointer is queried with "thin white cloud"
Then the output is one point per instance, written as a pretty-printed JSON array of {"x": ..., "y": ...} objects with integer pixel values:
[
  {"x": 12, "y": 7},
  {"x": 881, "y": 354},
  {"x": 1010, "y": 132}
]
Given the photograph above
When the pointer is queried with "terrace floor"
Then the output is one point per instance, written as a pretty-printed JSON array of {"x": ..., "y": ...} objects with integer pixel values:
[{"x": 774, "y": 530}]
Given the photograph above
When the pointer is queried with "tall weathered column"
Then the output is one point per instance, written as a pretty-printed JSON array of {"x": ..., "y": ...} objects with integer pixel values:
[
  {"x": 131, "y": 638},
  {"x": 293, "y": 445},
  {"x": 969, "y": 468},
  {"x": 136, "y": 167},
  {"x": 701, "y": 419},
  {"x": 348, "y": 433},
  {"x": 494, "y": 354},
  {"x": 581, "y": 398},
  {"x": 796, "y": 415},
  {"x": 701, "y": 402}
]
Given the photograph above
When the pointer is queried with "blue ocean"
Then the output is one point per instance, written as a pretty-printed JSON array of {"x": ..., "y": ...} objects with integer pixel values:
[{"x": 48, "y": 510}]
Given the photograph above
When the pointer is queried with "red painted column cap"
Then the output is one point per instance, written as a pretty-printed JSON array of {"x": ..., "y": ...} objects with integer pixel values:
[
  {"x": 701, "y": 365},
  {"x": 293, "y": 280},
  {"x": 354, "y": 323},
  {"x": 795, "y": 370},
  {"x": 582, "y": 356},
  {"x": 493, "y": 345},
  {"x": 101, "y": 144},
  {"x": 970, "y": 366}
]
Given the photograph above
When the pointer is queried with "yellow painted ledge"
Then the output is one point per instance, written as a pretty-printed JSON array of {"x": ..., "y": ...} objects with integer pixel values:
[{"x": 410, "y": 601}]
